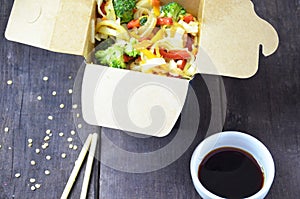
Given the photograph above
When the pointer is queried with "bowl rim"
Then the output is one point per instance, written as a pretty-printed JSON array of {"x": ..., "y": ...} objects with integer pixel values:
[{"x": 195, "y": 163}]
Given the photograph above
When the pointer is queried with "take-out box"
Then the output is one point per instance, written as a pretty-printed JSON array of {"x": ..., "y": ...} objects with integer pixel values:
[{"x": 230, "y": 38}]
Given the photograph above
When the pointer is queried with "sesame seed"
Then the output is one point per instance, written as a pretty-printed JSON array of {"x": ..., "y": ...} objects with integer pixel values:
[
  {"x": 70, "y": 139},
  {"x": 32, "y": 162},
  {"x": 6, "y": 129},
  {"x": 32, "y": 180},
  {"x": 37, "y": 151},
  {"x": 37, "y": 186},
  {"x": 45, "y": 145},
  {"x": 61, "y": 106},
  {"x": 32, "y": 188},
  {"x": 30, "y": 140},
  {"x": 48, "y": 131},
  {"x": 50, "y": 117},
  {"x": 63, "y": 155},
  {"x": 45, "y": 78},
  {"x": 70, "y": 146},
  {"x": 77, "y": 115},
  {"x": 17, "y": 175},
  {"x": 61, "y": 134},
  {"x": 74, "y": 106},
  {"x": 9, "y": 148},
  {"x": 30, "y": 145},
  {"x": 70, "y": 91},
  {"x": 53, "y": 93},
  {"x": 75, "y": 147},
  {"x": 47, "y": 172},
  {"x": 46, "y": 138},
  {"x": 39, "y": 98},
  {"x": 50, "y": 134},
  {"x": 48, "y": 157},
  {"x": 79, "y": 126},
  {"x": 70, "y": 77},
  {"x": 73, "y": 132},
  {"x": 9, "y": 82},
  {"x": 0, "y": 146}
]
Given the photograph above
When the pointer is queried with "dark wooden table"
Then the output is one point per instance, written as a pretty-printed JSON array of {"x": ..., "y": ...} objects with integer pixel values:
[{"x": 266, "y": 106}]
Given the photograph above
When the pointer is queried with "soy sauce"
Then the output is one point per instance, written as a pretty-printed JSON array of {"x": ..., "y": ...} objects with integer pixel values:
[{"x": 231, "y": 173}]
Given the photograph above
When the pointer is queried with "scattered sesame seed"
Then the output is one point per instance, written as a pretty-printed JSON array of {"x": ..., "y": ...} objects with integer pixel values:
[
  {"x": 70, "y": 146},
  {"x": 45, "y": 78},
  {"x": 45, "y": 145},
  {"x": 6, "y": 129},
  {"x": 37, "y": 186},
  {"x": 74, "y": 106},
  {"x": 70, "y": 91},
  {"x": 17, "y": 175},
  {"x": 61, "y": 134},
  {"x": 73, "y": 132},
  {"x": 46, "y": 138},
  {"x": 48, "y": 131},
  {"x": 32, "y": 180},
  {"x": 32, "y": 162},
  {"x": 77, "y": 115},
  {"x": 79, "y": 126},
  {"x": 9, "y": 148},
  {"x": 0, "y": 146},
  {"x": 37, "y": 151},
  {"x": 70, "y": 139},
  {"x": 70, "y": 77},
  {"x": 75, "y": 147},
  {"x": 30, "y": 145},
  {"x": 50, "y": 117},
  {"x": 53, "y": 93},
  {"x": 30, "y": 140},
  {"x": 47, "y": 172},
  {"x": 61, "y": 106},
  {"x": 50, "y": 134},
  {"x": 9, "y": 82},
  {"x": 63, "y": 155},
  {"x": 32, "y": 188},
  {"x": 39, "y": 98},
  {"x": 48, "y": 157}
]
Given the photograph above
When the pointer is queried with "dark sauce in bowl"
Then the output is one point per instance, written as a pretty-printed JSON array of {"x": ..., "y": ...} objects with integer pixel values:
[{"x": 231, "y": 173}]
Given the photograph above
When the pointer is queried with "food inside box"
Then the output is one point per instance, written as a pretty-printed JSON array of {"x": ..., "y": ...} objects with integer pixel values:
[{"x": 147, "y": 36}]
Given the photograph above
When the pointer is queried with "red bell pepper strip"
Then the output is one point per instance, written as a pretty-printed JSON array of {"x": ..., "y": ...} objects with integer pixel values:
[{"x": 164, "y": 21}]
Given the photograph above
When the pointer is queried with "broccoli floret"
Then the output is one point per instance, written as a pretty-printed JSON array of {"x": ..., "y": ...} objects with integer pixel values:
[
  {"x": 129, "y": 50},
  {"x": 173, "y": 10},
  {"x": 112, "y": 56},
  {"x": 124, "y": 9}
]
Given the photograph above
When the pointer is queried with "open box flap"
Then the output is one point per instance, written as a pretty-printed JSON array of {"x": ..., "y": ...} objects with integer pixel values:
[
  {"x": 231, "y": 34},
  {"x": 56, "y": 25}
]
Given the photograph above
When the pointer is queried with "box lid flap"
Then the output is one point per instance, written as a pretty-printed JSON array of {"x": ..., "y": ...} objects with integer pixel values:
[
  {"x": 231, "y": 34},
  {"x": 56, "y": 25}
]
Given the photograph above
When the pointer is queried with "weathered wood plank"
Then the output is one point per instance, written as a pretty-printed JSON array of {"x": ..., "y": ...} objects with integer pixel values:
[{"x": 27, "y": 118}]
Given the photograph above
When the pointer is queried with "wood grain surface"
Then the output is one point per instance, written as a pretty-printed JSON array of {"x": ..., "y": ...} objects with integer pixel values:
[{"x": 266, "y": 106}]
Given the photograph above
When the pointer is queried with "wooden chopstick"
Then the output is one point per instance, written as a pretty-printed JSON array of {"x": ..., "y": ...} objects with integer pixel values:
[
  {"x": 89, "y": 165},
  {"x": 77, "y": 166}
]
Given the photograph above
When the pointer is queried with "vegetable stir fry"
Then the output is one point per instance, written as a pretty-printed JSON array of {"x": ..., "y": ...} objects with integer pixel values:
[{"x": 146, "y": 36}]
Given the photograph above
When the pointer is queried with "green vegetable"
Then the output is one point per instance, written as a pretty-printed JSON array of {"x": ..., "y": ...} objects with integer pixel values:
[
  {"x": 129, "y": 50},
  {"x": 112, "y": 56},
  {"x": 173, "y": 10},
  {"x": 124, "y": 9},
  {"x": 143, "y": 20}
]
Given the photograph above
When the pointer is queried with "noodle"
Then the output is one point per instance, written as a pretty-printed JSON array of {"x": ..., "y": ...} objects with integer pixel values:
[{"x": 164, "y": 49}]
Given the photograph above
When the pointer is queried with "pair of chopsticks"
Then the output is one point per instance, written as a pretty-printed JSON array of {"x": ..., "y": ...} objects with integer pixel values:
[{"x": 91, "y": 145}]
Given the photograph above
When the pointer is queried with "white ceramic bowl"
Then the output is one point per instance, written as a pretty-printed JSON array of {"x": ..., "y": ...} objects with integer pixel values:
[{"x": 237, "y": 140}]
